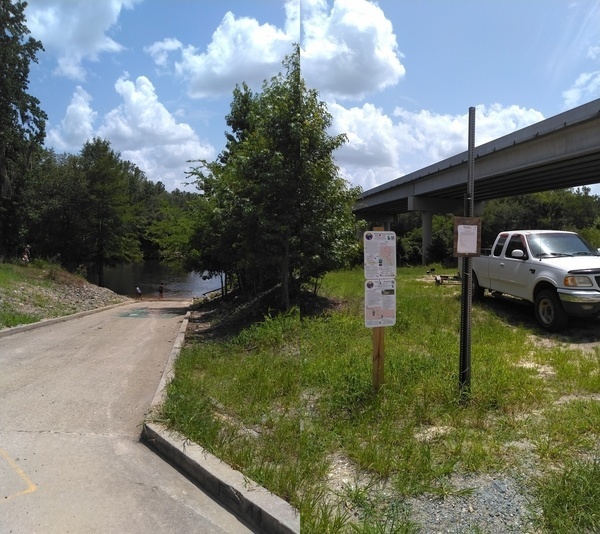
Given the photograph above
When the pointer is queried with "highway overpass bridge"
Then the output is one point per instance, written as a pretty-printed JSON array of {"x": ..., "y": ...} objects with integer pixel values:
[{"x": 560, "y": 152}]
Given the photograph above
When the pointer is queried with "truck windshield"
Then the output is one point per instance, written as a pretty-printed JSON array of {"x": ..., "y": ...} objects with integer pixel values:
[{"x": 543, "y": 245}]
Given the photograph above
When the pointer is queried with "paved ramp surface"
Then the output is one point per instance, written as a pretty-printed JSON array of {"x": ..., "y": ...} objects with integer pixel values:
[{"x": 72, "y": 398}]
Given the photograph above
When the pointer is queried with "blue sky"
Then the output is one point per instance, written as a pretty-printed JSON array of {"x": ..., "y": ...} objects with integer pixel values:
[{"x": 155, "y": 77}]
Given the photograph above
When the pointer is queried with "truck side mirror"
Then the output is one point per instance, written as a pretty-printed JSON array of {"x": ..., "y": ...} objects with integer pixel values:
[{"x": 519, "y": 254}]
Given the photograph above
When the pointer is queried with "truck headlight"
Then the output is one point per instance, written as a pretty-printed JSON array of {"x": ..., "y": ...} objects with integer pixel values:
[{"x": 577, "y": 281}]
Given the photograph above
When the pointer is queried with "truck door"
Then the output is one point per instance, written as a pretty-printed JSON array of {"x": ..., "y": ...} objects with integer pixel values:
[
  {"x": 511, "y": 273},
  {"x": 493, "y": 264}
]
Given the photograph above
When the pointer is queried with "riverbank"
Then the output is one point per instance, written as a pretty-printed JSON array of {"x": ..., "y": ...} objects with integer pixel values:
[{"x": 39, "y": 291}]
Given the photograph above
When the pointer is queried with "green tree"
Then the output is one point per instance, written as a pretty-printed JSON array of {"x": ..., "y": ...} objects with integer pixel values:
[
  {"x": 441, "y": 249},
  {"x": 111, "y": 237},
  {"x": 171, "y": 230},
  {"x": 69, "y": 198},
  {"x": 561, "y": 209},
  {"x": 56, "y": 223},
  {"x": 224, "y": 224},
  {"x": 410, "y": 247},
  {"x": 22, "y": 121},
  {"x": 145, "y": 200},
  {"x": 582, "y": 208},
  {"x": 277, "y": 205}
]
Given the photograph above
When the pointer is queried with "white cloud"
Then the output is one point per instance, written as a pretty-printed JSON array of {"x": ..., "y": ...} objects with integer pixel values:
[
  {"x": 141, "y": 129},
  {"x": 370, "y": 135},
  {"x": 141, "y": 116},
  {"x": 585, "y": 88},
  {"x": 241, "y": 50},
  {"x": 160, "y": 51},
  {"x": 353, "y": 37},
  {"x": 340, "y": 39},
  {"x": 370, "y": 156},
  {"x": 580, "y": 46},
  {"x": 147, "y": 134},
  {"x": 381, "y": 149},
  {"x": 292, "y": 20},
  {"x": 75, "y": 30},
  {"x": 587, "y": 85},
  {"x": 76, "y": 127},
  {"x": 496, "y": 120}
]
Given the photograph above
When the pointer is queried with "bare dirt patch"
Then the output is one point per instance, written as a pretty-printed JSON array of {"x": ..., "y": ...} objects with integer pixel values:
[{"x": 543, "y": 371}]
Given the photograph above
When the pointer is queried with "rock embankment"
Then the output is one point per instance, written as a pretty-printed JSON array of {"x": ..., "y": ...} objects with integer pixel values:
[{"x": 55, "y": 298}]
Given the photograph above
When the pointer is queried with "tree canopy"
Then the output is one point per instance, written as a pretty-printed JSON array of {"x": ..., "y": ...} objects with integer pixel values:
[
  {"x": 274, "y": 209},
  {"x": 92, "y": 208},
  {"x": 22, "y": 121}
]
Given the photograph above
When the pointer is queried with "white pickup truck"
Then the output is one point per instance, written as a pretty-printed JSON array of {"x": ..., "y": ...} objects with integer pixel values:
[{"x": 559, "y": 272}]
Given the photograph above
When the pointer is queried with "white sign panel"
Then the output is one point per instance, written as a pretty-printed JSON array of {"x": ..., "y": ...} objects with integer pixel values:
[
  {"x": 467, "y": 239},
  {"x": 380, "y": 303},
  {"x": 380, "y": 254}
]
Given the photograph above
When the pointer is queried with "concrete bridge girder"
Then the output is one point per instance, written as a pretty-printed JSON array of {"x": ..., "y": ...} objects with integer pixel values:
[{"x": 559, "y": 152}]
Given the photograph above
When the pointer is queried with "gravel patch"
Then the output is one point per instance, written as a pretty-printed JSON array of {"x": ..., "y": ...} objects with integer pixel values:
[
  {"x": 483, "y": 504},
  {"x": 57, "y": 299}
]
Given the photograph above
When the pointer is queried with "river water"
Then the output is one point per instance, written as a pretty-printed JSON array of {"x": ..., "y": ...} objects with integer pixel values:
[{"x": 123, "y": 280}]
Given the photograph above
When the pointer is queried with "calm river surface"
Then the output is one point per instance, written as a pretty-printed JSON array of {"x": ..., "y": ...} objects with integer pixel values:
[{"x": 148, "y": 275}]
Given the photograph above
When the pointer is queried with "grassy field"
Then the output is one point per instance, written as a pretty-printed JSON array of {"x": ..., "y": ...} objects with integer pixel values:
[{"x": 290, "y": 402}]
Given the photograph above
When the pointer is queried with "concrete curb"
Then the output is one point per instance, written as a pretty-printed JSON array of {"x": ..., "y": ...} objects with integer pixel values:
[
  {"x": 252, "y": 503},
  {"x": 168, "y": 373},
  {"x": 46, "y": 322}
]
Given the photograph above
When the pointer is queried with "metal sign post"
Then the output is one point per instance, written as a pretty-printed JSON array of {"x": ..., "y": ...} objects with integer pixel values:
[{"x": 464, "y": 379}]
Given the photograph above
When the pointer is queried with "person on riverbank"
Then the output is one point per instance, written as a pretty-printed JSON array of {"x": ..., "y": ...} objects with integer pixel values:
[
  {"x": 161, "y": 290},
  {"x": 138, "y": 292},
  {"x": 26, "y": 257}
]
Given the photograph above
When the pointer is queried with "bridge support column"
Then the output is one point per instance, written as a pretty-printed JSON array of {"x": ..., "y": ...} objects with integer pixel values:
[{"x": 427, "y": 234}]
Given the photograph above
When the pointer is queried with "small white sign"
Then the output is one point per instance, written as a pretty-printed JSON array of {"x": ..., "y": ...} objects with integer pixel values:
[
  {"x": 380, "y": 303},
  {"x": 467, "y": 239},
  {"x": 380, "y": 254}
]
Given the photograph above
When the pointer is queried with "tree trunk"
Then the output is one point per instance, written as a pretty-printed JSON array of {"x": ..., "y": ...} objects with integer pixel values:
[
  {"x": 101, "y": 272},
  {"x": 285, "y": 276},
  {"x": 4, "y": 182},
  {"x": 100, "y": 256}
]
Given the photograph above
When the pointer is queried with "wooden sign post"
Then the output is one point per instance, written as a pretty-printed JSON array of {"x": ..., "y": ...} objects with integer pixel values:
[
  {"x": 380, "y": 293},
  {"x": 378, "y": 357}
]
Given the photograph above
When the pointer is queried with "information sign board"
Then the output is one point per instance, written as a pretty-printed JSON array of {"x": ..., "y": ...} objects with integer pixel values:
[
  {"x": 467, "y": 236},
  {"x": 380, "y": 274},
  {"x": 380, "y": 254},
  {"x": 380, "y": 302}
]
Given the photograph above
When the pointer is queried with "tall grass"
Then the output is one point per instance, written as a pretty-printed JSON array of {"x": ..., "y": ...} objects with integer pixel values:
[
  {"x": 20, "y": 300},
  {"x": 9, "y": 274},
  {"x": 290, "y": 401},
  {"x": 10, "y": 315},
  {"x": 570, "y": 498}
]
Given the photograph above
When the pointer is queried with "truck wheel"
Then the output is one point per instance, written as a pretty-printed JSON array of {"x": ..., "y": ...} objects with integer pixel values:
[
  {"x": 477, "y": 290},
  {"x": 549, "y": 311}
]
